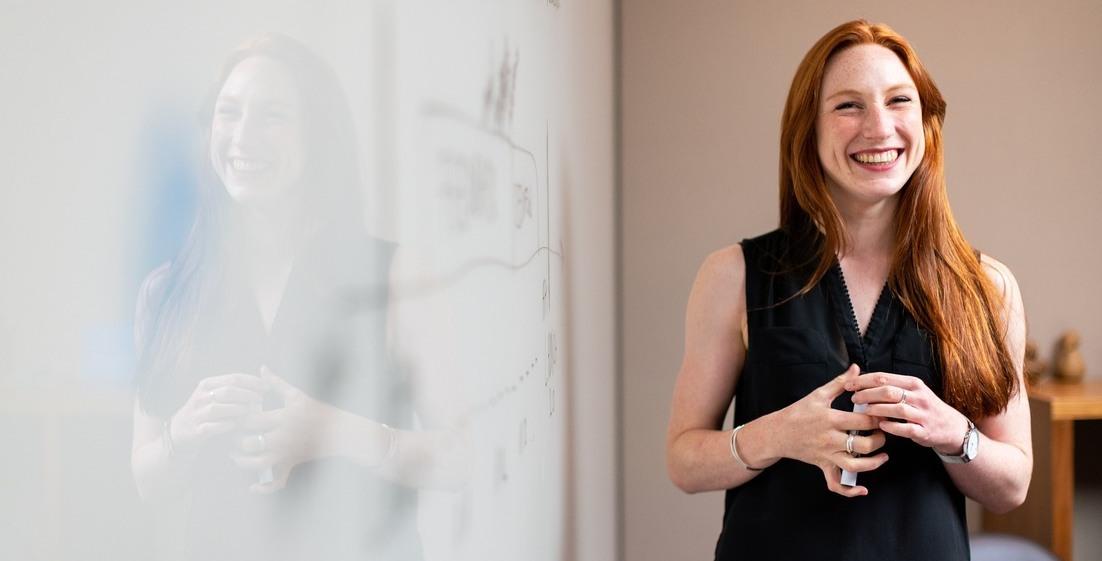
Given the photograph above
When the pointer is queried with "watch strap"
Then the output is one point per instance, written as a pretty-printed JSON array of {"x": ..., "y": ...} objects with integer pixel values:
[{"x": 963, "y": 457}]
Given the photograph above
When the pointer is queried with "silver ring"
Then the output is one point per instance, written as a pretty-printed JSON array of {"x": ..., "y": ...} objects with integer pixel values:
[
  {"x": 210, "y": 395},
  {"x": 903, "y": 400},
  {"x": 849, "y": 444},
  {"x": 261, "y": 444}
]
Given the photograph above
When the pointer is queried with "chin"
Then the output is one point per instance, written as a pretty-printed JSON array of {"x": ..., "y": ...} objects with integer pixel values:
[{"x": 245, "y": 194}]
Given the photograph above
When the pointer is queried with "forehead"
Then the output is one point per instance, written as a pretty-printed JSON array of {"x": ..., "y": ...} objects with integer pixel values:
[
  {"x": 864, "y": 68},
  {"x": 260, "y": 79}
]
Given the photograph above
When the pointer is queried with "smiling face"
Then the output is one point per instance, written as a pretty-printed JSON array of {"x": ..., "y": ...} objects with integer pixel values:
[
  {"x": 869, "y": 129},
  {"x": 256, "y": 146}
]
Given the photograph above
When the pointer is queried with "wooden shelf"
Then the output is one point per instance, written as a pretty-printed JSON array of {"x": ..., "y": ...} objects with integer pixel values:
[{"x": 1070, "y": 402}]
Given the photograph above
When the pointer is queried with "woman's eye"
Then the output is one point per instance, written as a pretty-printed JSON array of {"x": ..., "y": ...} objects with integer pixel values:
[
  {"x": 900, "y": 99},
  {"x": 846, "y": 105}
]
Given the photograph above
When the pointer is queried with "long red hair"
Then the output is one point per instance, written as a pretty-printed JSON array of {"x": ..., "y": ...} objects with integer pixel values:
[{"x": 935, "y": 271}]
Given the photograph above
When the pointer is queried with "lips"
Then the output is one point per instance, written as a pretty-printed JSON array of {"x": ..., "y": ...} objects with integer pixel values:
[
  {"x": 249, "y": 165},
  {"x": 877, "y": 159}
]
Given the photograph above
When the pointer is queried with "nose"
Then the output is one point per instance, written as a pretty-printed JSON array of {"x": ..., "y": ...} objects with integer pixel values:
[
  {"x": 878, "y": 123},
  {"x": 246, "y": 129}
]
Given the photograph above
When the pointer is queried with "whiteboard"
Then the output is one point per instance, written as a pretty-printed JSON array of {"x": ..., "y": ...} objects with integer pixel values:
[{"x": 485, "y": 134}]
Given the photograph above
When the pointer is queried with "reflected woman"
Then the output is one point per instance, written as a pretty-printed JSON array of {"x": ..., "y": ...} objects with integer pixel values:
[{"x": 269, "y": 422}]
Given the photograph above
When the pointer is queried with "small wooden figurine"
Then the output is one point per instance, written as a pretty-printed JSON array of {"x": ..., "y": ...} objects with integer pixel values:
[
  {"x": 1067, "y": 361},
  {"x": 1034, "y": 367}
]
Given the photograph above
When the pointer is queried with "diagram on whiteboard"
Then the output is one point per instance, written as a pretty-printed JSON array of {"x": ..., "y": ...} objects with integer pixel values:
[{"x": 480, "y": 295}]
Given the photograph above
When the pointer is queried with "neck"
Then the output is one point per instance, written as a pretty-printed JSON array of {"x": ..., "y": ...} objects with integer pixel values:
[
  {"x": 870, "y": 229},
  {"x": 271, "y": 235}
]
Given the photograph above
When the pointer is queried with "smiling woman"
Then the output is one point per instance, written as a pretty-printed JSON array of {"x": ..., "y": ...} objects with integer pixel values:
[
  {"x": 879, "y": 377},
  {"x": 256, "y": 133},
  {"x": 270, "y": 422},
  {"x": 869, "y": 129}
]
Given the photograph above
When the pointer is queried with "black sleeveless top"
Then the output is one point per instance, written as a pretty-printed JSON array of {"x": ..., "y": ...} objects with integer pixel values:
[{"x": 913, "y": 509}]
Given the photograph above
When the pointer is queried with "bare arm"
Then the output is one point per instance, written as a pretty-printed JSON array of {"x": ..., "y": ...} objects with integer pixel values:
[
  {"x": 999, "y": 476},
  {"x": 698, "y": 456},
  {"x": 158, "y": 474}
]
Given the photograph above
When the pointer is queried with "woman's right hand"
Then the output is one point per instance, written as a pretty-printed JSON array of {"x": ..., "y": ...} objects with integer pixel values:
[
  {"x": 816, "y": 434},
  {"x": 216, "y": 406}
]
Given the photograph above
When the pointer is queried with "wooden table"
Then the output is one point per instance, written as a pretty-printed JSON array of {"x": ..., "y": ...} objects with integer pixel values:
[{"x": 1046, "y": 516}]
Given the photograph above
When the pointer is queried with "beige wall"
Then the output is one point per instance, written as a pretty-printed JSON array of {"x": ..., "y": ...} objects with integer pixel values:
[{"x": 703, "y": 85}]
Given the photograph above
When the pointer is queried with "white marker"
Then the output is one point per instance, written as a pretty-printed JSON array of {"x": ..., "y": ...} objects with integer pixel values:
[{"x": 849, "y": 478}]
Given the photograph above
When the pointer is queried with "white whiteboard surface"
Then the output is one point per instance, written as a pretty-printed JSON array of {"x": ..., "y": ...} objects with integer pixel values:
[{"x": 486, "y": 145}]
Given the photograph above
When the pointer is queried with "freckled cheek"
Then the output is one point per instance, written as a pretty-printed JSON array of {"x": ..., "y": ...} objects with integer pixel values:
[{"x": 911, "y": 130}]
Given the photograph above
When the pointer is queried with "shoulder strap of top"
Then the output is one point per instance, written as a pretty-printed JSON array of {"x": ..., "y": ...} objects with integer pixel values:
[{"x": 763, "y": 260}]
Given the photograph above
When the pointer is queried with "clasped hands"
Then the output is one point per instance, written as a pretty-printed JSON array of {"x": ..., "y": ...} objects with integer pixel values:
[
  {"x": 279, "y": 439},
  {"x": 900, "y": 405}
]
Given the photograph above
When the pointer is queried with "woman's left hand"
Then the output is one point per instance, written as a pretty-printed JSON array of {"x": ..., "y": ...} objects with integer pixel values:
[
  {"x": 283, "y": 438},
  {"x": 910, "y": 409}
]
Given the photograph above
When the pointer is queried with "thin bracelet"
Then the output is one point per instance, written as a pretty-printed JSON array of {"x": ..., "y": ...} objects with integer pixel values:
[
  {"x": 166, "y": 436},
  {"x": 734, "y": 450},
  {"x": 391, "y": 446}
]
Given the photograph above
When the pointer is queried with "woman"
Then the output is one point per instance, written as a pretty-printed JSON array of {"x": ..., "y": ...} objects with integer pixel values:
[
  {"x": 269, "y": 423},
  {"x": 867, "y": 295}
]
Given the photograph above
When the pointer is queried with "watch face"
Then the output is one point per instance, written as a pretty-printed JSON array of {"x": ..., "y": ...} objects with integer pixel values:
[{"x": 972, "y": 444}]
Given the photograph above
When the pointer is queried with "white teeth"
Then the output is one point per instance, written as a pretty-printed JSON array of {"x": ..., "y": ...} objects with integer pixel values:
[
  {"x": 239, "y": 164},
  {"x": 885, "y": 157}
]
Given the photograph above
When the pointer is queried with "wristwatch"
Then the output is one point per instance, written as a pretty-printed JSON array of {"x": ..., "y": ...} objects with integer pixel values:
[{"x": 970, "y": 449}]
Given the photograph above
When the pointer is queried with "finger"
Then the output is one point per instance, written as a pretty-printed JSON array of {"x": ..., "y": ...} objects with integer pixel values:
[
  {"x": 882, "y": 394},
  {"x": 902, "y": 411},
  {"x": 858, "y": 464},
  {"x": 913, "y": 431},
  {"x": 869, "y": 444},
  {"x": 863, "y": 445},
  {"x": 837, "y": 386},
  {"x": 207, "y": 430},
  {"x": 235, "y": 394},
  {"x": 254, "y": 444},
  {"x": 279, "y": 385},
  {"x": 263, "y": 421},
  {"x": 876, "y": 379},
  {"x": 846, "y": 421},
  {"x": 223, "y": 411},
  {"x": 238, "y": 379},
  {"x": 833, "y": 478},
  {"x": 254, "y": 461}
]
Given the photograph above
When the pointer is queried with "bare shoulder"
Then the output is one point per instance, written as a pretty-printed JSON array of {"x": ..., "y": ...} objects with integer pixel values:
[
  {"x": 1012, "y": 306},
  {"x": 725, "y": 266},
  {"x": 717, "y": 304},
  {"x": 1000, "y": 276},
  {"x": 720, "y": 282}
]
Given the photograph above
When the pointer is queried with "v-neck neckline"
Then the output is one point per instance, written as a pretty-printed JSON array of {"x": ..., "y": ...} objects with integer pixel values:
[
  {"x": 268, "y": 324},
  {"x": 847, "y": 315}
]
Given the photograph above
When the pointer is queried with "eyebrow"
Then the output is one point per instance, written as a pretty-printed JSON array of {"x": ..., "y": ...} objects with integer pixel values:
[{"x": 858, "y": 94}]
